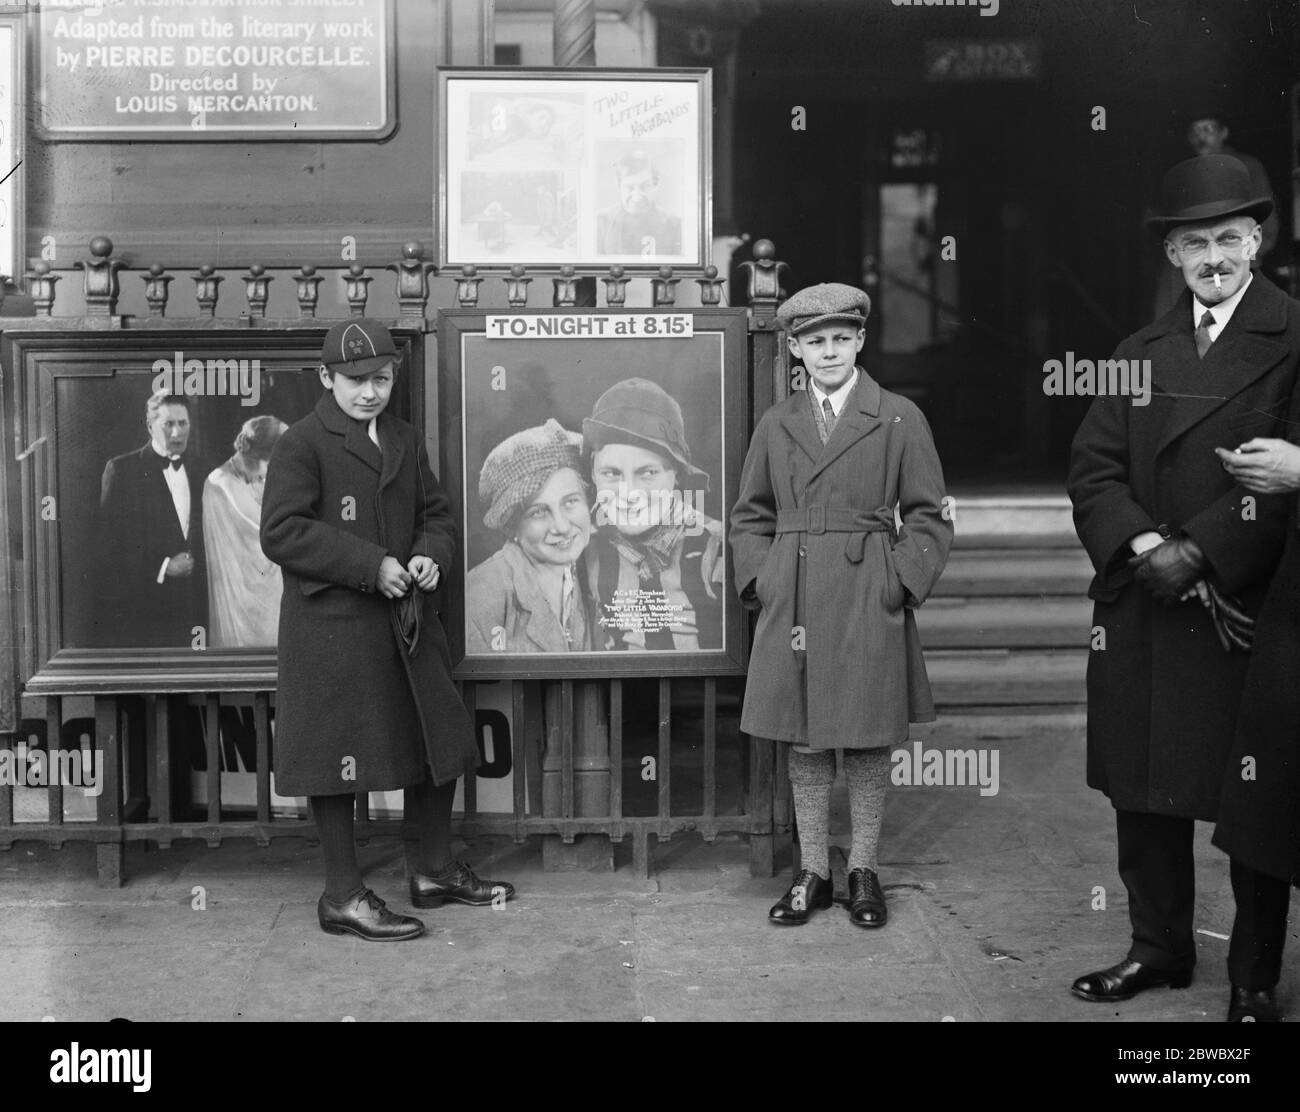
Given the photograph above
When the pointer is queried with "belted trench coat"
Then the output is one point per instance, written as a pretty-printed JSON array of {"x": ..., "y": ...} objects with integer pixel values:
[{"x": 836, "y": 659}]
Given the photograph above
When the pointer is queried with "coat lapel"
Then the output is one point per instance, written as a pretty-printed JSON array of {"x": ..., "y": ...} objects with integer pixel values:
[
  {"x": 1246, "y": 349},
  {"x": 394, "y": 450},
  {"x": 355, "y": 440},
  {"x": 860, "y": 418},
  {"x": 799, "y": 425}
]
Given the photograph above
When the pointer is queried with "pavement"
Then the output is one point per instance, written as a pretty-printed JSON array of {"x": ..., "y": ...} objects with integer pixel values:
[{"x": 997, "y": 902}]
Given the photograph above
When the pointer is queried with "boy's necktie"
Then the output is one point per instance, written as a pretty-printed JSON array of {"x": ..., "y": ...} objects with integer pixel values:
[
  {"x": 1203, "y": 340},
  {"x": 829, "y": 414}
]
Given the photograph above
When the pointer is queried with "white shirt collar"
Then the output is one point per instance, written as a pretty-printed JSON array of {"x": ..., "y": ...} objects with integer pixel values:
[
  {"x": 164, "y": 455},
  {"x": 1222, "y": 312},
  {"x": 839, "y": 397}
]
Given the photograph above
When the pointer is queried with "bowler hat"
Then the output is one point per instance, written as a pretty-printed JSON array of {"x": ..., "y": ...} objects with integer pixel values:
[
  {"x": 1204, "y": 188},
  {"x": 821, "y": 304},
  {"x": 638, "y": 411},
  {"x": 357, "y": 347}
]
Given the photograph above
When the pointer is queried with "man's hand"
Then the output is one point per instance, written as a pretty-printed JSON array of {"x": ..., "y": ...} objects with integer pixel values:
[
  {"x": 425, "y": 571},
  {"x": 1264, "y": 465},
  {"x": 1170, "y": 569},
  {"x": 180, "y": 566},
  {"x": 393, "y": 580}
]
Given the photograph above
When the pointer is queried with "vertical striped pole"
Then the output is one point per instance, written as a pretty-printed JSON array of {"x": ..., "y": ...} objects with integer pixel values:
[{"x": 574, "y": 40}]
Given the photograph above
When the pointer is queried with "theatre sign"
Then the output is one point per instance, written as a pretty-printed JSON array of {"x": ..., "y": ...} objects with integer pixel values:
[{"x": 216, "y": 69}]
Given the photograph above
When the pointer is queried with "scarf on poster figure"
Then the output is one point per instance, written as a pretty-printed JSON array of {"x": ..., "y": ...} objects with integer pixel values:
[
  {"x": 651, "y": 556},
  {"x": 244, "y": 587}
]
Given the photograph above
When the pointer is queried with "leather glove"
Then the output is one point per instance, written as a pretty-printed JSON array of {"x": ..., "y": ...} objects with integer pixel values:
[
  {"x": 1170, "y": 569},
  {"x": 1234, "y": 627}
]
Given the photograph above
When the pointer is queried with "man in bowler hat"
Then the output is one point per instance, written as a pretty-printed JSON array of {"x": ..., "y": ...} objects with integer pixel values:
[
  {"x": 1183, "y": 554},
  {"x": 836, "y": 662},
  {"x": 364, "y": 535}
]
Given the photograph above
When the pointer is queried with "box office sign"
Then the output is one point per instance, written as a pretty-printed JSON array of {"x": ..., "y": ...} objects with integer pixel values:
[
  {"x": 215, "y": 69},
  {"x": 590, "y": 168},
  {"x": 593, "y": 459}
]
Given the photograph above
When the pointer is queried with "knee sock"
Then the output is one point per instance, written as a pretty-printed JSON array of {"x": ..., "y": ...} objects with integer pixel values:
[
  {"x": 426, "y": 827},
  {"x": 868, "y": 774},
  {"x": 334, "y": 816},
  {"x": 811, "y": 777}
]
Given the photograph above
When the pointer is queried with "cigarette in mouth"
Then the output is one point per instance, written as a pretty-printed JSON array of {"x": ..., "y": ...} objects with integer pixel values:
[{"x": 1218, "y": 281}]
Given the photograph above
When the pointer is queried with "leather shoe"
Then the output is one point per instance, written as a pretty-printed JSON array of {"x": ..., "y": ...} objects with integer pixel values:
[
  {"x": 1127, "y": 979},
  {"x": 459, "y": 884},
  {"x": 366, "y": 916},
  {"x": 1247, "y": 1005},
  {"x": 807, "y": 894},
  {"x": 866, "y": 900}
]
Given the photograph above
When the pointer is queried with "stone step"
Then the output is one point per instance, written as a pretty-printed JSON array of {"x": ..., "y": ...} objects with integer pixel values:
[
  {"x": 1014, "y": 622},
  {"x": 1006, "y": 678},
  {"x": 1015, "y": 571}
]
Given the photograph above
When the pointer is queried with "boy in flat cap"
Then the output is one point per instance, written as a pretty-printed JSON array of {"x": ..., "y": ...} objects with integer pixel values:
[
  {"x": 836, "y": 662},
  {"x": 652, "y": 564},
  {"x": 361, "y": 528}
]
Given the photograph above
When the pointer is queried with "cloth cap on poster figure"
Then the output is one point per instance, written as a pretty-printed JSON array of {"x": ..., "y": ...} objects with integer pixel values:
[
  {"x": 357, "y": 347},
  {"x": 517, "y": 468},
  {"x": 638, "y": 411}
]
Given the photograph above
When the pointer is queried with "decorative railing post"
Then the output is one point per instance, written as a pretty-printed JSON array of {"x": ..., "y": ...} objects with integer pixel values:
[
  {"x": 467, "y": 287},
  {"x": 308, "y": 283},
  {"x": 566, "y": 292},
  {"x": 664, "y": 288},
  {"x": 771, "y": 369},
  {"x": 257, "y": 289},
  {"x": 42, "y": 282},
  {"x": 100, "y": 278},
  {"x": 616, "y": 287},
  {"x": 517, "y": 287},
  {"x": 206, "y": 282},
  {"x": 357, "y": 285},
  {"x": 710, "y": 286},
  {"x": 156, "y": 291},
  {"x": 412, "y": 280}
]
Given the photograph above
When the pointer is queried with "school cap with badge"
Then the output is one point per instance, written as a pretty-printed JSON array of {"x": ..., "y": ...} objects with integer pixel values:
[
  {"x": 822, "y": 304},
  {"x": 358, "y": 347}
]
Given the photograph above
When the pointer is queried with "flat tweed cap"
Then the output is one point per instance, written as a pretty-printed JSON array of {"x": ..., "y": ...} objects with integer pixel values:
[
  {"x": 517, "y": 468},
  {"x": 818, "y": 305}
]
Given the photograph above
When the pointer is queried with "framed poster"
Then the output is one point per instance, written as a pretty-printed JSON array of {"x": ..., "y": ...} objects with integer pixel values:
[
  {"x": 12, "y": 130},
  {"x": 140, "y": 488},
  {"x": 593, "y": 459},
  {"x": 585, "y": 167},
  {"x": 215, "y": 69}
]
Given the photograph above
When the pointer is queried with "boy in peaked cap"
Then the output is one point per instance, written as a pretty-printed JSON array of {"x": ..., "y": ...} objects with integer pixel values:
[
  {"x": 363, "y": 532},
  {"x": 836, "y": 662}
]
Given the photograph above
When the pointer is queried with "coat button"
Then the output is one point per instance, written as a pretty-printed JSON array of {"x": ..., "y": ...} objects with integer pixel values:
[{"x": 803, "y": 551}]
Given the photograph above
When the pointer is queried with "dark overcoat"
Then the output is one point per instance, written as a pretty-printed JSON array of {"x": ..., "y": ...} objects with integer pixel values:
[
  {"x": 334, "y": 507},
  {"x": 1259, "y": 812},
  {"x": 837, "y": 661},
  {"x": 1163, "y": 695},
  {"x": 138, "y": 530}
]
